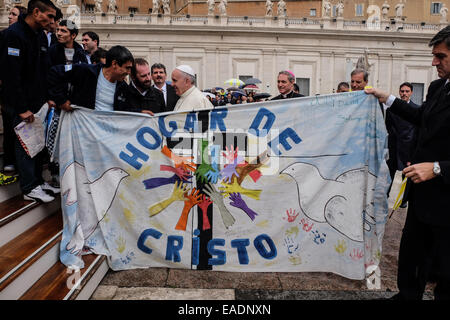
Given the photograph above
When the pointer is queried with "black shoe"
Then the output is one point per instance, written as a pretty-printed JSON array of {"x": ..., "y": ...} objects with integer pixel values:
[
  {"x": 396, "y": 297},
  {"x": 404, "y": 205}
]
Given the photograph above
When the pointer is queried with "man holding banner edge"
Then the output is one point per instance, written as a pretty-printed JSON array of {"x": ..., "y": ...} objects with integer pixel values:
[{"x": 424, "y": 245}]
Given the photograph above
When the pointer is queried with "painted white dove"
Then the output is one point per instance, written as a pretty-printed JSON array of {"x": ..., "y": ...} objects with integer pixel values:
[
  {"x": 340, "y": 202},
  {"x": 76, "y": 188}
]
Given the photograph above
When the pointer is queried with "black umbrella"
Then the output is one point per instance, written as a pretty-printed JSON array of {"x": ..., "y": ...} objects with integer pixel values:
[
  {"x": 238, "y": 93},
  {"x": 262, "y": 95},
  {"x": 252, "y": 81}
]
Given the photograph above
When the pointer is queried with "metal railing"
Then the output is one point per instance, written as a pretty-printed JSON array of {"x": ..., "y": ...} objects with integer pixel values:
[{"x": 266, "y": 22}]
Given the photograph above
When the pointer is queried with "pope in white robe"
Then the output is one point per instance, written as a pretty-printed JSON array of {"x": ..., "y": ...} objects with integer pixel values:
[{"x": 191, "y": 98}]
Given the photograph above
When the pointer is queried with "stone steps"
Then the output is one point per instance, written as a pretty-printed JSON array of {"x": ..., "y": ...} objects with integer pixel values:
[{"x": 30, "y": 236}]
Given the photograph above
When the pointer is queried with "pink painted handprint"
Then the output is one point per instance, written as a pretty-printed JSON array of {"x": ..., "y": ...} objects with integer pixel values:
[
  {"x": 230, "y": 154},
  {"x": 356, "y": 254},
  {"x": 180, "y": 172},
  {"x": 291, "y": 216}
]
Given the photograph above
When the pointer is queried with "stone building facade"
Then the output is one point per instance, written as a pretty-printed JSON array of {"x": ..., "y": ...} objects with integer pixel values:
[
  {"x": 321, "y": 51},
  {"x": 417, "y": 11}
]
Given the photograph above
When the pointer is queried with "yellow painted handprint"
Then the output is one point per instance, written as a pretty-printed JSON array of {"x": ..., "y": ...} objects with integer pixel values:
[
  {"x": 340, "y": 247},
  {"x": 179, "y": 189},
  {"x": 121, "y": 243},
  {"x": 236, "y": 188}
]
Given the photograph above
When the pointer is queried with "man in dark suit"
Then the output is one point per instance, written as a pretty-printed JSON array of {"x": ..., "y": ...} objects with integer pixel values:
[
  {"x": 159, "y": 76},
  {"x": 402, "y": 135},
  {"x": 285, "y": 83},
  {"x": 425, "y": 240}
]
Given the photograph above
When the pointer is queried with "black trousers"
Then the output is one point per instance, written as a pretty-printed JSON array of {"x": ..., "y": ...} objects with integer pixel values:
[
  {"x": 424, "y": 248},
  {"x": 9, "y": 157}
]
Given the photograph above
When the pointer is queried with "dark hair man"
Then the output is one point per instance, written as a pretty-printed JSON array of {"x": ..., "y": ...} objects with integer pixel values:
[
  {"x": 67, "y": 50},
  {"x": 50, "y": 32},
  {"x": 99, "y": 56},
  {"x": 22, "y": 59},
  {"x": 285, "y": 83},
  {"x": 402, "y": 135},
  {"x": 99, "y": 87},
  {"x": 142, "y": 96},
  {"x": 359, "y": 79},
  {"x": 159, "y": 76},
  {"x": 91, "y": 43},
  {"x": 8, "y": 129},
  {"x": 343, "y": 87},
  {"x": 425, "y": 243}
]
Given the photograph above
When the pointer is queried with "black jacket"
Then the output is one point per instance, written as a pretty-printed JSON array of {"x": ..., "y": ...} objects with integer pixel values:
[
  {"x": 57, "y": 56},
  {"x": 153, "y": 100},
  {"x": 53, "y": 39},
  {"x": 83, "y": 78},
  {"x": 431, "y": 199},
  {"x": 172, "y": 98},
  {"x": 23, "y": 57},
  {"x": 292, "y": 94},
  {"x": 401, "y": 140}
]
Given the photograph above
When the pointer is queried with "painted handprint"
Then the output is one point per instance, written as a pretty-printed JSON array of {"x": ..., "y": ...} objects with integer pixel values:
[
  {"x": 356, "y": 254},
  {"x": 228, "y": 172},
  {"x": 236, "y": 188},
  {"x": 291, "y": 245},
  {"x": 243, "y": 171},
  {"x": 127, "y": 258},
  {"x": 215, "y": 156},
  {"x": 121, "y": 244},
  {"x": 202, "y": 172},
  {"x": 340, "y": 247},
  {"x": 204, "y": 206},
  {"x": 207, "y": 172},
  {"x": 291, "y": 216},
  {"x": 217, "y": 198},
  {"x": 213, "y": 174},
  {"x": 179, "y": 189},
  {"x": 190, "y": 201},
  {"x": 319, "y": 239},
  {"x": 180, "y": 172},
  {"x": 306, "y": 226},
  {"x": 238, "y": 202},
  {"x": 230, "y": 154},
  {"x": 292, "y": 231},
  {"x": 183, "y": 162},
  {"x": 158, "y": 182}
]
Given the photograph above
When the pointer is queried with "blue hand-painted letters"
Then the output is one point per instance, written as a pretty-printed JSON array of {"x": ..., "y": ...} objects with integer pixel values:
[{"x": 263, "y": 244}]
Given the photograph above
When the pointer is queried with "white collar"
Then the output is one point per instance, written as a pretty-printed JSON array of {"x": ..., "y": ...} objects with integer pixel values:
[
  {"x": 163, "y": 88},
  {"x": 188, "y": 91}
]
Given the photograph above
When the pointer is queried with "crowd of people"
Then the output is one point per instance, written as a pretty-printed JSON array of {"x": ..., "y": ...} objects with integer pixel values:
[
  {"x": 41, "y": 62},
  {"x": 249, "y": 93}
]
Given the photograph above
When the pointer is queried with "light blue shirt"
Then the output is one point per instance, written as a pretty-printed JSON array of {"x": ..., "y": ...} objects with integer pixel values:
[{"x": 104, "y": 97}]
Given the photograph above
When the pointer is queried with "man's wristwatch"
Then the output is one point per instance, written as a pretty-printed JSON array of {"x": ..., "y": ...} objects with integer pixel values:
[{"x": 436, "y": 168}]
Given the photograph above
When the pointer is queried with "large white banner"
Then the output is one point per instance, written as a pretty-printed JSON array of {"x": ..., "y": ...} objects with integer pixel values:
[{"x": 291, "y": 186}]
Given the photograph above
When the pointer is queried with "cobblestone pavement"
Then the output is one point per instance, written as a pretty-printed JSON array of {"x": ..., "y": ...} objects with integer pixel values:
[{"x": 180, "y": 284}]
